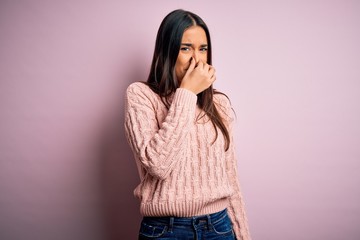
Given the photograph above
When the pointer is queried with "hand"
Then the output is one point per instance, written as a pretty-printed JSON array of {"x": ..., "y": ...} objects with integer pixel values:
[{"x": 198, "y": 78}]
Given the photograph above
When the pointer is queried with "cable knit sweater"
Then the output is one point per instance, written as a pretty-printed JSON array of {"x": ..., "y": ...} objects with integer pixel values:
[{"x": 183, "y": 171}]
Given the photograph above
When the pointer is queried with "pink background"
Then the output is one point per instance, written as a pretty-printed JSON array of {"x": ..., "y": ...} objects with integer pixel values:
[{"x": 291, "y": 68}]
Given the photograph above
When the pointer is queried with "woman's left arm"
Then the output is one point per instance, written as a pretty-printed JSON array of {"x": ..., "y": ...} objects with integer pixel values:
[{"x": 236, "y": 207}]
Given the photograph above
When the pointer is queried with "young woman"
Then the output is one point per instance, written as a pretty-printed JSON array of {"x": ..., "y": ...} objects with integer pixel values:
[{"x": 180, "y": 131}]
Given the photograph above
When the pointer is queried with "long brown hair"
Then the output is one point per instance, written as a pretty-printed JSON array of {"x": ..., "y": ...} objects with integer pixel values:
[{"x": 162, "y": 79}]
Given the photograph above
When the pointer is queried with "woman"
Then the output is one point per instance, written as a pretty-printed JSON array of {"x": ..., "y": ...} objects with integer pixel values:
[{"x": 179, "y": 129}]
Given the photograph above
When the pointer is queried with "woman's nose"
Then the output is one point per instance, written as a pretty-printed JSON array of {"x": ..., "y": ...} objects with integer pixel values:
[{"x": 196, "y": 56}]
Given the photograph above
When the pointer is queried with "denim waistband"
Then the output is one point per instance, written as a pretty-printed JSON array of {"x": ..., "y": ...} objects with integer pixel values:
[{"x": 190, "y": 221}]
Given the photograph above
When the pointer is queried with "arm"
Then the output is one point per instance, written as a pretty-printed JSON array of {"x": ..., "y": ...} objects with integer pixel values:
[
  {"x": 236, "y": 207},
  {"x": 157, "y": 148}
]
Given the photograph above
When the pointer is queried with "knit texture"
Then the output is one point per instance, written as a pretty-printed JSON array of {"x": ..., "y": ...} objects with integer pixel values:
[{"x": 183, "y": 171}]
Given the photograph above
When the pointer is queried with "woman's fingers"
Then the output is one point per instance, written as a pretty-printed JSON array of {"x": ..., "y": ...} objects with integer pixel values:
[
  {"x": 198, "y": 77},
  {"x": 211, "y": 71},
  {"x": 191, "y": 67},
  {"x": 192, "y": 64},
  {"x": 200, "y": 65}
]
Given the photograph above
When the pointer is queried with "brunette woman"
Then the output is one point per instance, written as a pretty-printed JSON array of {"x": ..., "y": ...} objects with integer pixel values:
[{"x": 180, "y": 131}]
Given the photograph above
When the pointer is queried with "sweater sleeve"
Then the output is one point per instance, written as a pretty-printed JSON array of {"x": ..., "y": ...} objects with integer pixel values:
[
  {"x": 236, "y": 207},
  {"x": 157, "y": 146}
]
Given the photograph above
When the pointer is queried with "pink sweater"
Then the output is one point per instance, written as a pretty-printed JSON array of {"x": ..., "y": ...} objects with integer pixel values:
[{"x": 182, "y": 173}]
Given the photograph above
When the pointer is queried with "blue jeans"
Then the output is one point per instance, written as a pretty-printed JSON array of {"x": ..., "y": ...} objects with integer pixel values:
[{"x": 216, "y": 226}]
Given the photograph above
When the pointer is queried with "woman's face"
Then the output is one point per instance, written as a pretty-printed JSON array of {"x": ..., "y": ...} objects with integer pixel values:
[{"x": 193, "y": 44}]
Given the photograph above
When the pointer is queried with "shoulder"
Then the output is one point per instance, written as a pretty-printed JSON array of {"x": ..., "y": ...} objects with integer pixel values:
[
  {"x": 138, "y": 87},
  {"x": 139, "y": 93},
  {"x": 223, "y": 105},
  {"x": 222, "y": 99},
  {"x": 140, "y": 90}
]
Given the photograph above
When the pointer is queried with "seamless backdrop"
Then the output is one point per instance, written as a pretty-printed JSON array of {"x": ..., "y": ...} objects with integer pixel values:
[{"x": 291, "y": 69}]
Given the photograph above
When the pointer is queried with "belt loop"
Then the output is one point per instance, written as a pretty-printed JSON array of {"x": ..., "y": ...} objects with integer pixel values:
[
  {"x": 171, "y": 224},
  {"x": 193, "y": 221},
  {"x": 209, "y": 223}
]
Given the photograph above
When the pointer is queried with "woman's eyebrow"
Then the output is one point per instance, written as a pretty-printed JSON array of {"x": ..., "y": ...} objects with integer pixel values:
[{"x": 189, "y": 45}]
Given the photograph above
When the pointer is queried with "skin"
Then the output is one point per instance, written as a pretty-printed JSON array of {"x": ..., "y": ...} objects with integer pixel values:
[{"x": 191, "y": 66}]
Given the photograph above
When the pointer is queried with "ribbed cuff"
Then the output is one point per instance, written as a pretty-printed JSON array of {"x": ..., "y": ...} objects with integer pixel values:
[{"x": 185, "y": 97}]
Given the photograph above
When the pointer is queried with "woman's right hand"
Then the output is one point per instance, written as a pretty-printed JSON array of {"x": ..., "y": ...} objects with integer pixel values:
[{"x": 198, "y": 77}]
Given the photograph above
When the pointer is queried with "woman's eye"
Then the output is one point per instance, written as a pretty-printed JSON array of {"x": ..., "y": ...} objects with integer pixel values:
[
  {"x": 185, "y": 49},
  {"x": 203, "y": 49}
]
